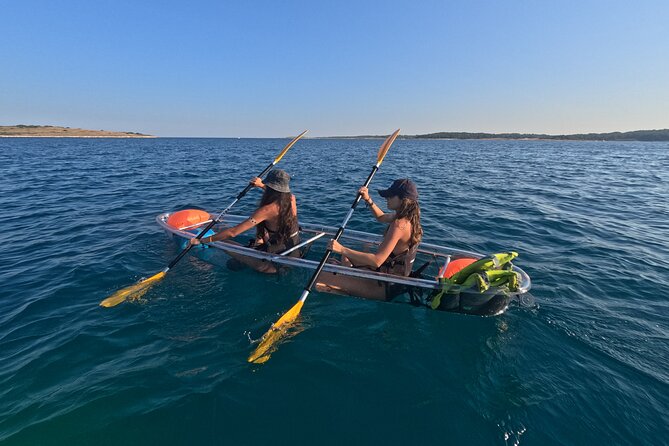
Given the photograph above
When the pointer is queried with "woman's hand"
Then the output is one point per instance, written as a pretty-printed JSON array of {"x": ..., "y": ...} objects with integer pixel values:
[
  {"x": 257, "y": 182},
  {"x": 335, "y": 246},
  {"x": 364, "y": 193},
  {"x": 194, "y": 241}
]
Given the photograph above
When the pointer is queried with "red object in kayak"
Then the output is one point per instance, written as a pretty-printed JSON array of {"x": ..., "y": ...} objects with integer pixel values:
[
  {"x": 187, "y": 217},
  {"x": 457, "y": 265}
]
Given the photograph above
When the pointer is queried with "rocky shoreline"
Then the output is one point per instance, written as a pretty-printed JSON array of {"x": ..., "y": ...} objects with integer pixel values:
[{"x": 49, "y": 131}]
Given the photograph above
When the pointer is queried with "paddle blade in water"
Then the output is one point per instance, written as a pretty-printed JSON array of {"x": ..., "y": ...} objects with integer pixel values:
[
  {"x": 290, "y": 144},
  {"x": 270, "y": 340},
  {"x": 133, "y": 291},
  {"x": 386, "y": 146}
]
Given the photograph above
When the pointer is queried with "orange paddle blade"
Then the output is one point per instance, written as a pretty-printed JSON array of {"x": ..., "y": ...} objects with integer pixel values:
[{"x": 386, "y": 146}]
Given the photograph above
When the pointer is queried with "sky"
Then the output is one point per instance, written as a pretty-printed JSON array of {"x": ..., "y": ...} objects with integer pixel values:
[{"x": 274, "y": 68}]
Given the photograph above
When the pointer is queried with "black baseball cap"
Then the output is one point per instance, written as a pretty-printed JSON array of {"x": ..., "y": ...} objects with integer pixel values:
[{"x": 403, "y": 188}]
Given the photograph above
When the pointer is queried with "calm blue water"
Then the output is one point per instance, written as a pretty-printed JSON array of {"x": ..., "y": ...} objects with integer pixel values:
[{"x": 590, "y": 366}]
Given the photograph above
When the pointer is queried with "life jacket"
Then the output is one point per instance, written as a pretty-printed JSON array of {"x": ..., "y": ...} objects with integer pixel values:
[
  {"x": 273, "y": 242},
  {"x": 492, "y": 271},
  {"x": 400, "y": 264},
  {"x": 187, "y": 220}
]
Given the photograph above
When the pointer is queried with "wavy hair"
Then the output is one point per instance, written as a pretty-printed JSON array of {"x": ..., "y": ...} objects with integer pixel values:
[
  {"x": 287, "y": 220},
  {"x": 410, "y": 210}
]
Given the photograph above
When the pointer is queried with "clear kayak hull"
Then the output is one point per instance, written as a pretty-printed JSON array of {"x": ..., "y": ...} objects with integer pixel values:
[{"x": 430, "y": 259}]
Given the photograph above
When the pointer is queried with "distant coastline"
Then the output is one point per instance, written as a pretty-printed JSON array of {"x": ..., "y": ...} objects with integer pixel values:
[
  {"x": 636, "y": 135},
  {"x": 50, "y": 131}
]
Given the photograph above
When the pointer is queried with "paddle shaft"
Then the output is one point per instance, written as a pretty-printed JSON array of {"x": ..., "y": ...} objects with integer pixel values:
[
  {"x": 214, "y": 221},
  {"x": 340, "y": 231},
  {"x": 274, "y": 334}
]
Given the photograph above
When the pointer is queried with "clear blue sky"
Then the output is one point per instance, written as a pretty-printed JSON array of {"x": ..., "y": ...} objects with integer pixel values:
[{"x": 274, "y": 68}]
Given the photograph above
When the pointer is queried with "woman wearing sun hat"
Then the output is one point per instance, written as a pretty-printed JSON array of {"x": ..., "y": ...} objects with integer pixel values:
[
  {"x": 395, "y": 254},
  {"x": 275, "y": 221}
]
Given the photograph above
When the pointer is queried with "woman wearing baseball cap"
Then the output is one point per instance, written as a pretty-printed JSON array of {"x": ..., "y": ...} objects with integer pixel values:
[
  {"x": 275, "y": 221},
  {"x": 395, "y": 254}
]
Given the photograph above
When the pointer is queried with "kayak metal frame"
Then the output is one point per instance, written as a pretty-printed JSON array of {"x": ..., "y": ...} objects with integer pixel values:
[
  {"x": 318, "y": 231},
  {"x": 304, "y": 243}
]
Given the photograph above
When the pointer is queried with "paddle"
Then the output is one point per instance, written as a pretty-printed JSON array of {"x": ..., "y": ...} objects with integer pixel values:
[
  {"x": 269, "y": 339},
  {"x": 142, "y": 286}
]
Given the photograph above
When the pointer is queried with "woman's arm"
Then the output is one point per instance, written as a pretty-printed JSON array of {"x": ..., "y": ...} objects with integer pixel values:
[
  {"x": 379, "y": 214},
  {"x": 257, "y": 182},
  {"x": 375, "y": 260},
  {"x": 258, "y": 217},
  {"x": 376, "y": 211}
]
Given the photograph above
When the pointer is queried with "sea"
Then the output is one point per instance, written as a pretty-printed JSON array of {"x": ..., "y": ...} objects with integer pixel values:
[{"x": 586, "y": 364}]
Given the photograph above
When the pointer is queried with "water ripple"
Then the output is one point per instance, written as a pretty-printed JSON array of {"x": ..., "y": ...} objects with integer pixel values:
[{"x": 588, "y": 218}]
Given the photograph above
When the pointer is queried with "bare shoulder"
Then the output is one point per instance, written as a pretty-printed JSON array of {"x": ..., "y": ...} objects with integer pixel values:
[
  {"x": 402, "y": 224},
  {"x": 293, "y": 202},
  {"x": 267, "y": 211}
]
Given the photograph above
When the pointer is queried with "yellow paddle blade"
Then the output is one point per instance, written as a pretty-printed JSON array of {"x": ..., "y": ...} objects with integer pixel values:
[
  {"x": 290, "y": 144},
  {"x": 269, "y": 342},
  {"x": 386, "y": 146},
  {"x": 137, "y": 290}
]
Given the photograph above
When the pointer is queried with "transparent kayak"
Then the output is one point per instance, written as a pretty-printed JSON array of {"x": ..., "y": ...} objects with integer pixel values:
[{"x": 430, "y": 259}]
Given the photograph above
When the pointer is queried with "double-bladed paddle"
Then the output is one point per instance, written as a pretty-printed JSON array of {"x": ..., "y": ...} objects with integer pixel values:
[
  {"x": 274, "y": 334},
  {"x": 143, "y": 285}
]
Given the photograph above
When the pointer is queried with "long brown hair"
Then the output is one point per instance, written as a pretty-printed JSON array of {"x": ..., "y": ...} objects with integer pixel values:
[
  {"x": 410, "y": 210},
  {"x": 287, "y": 220}
]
